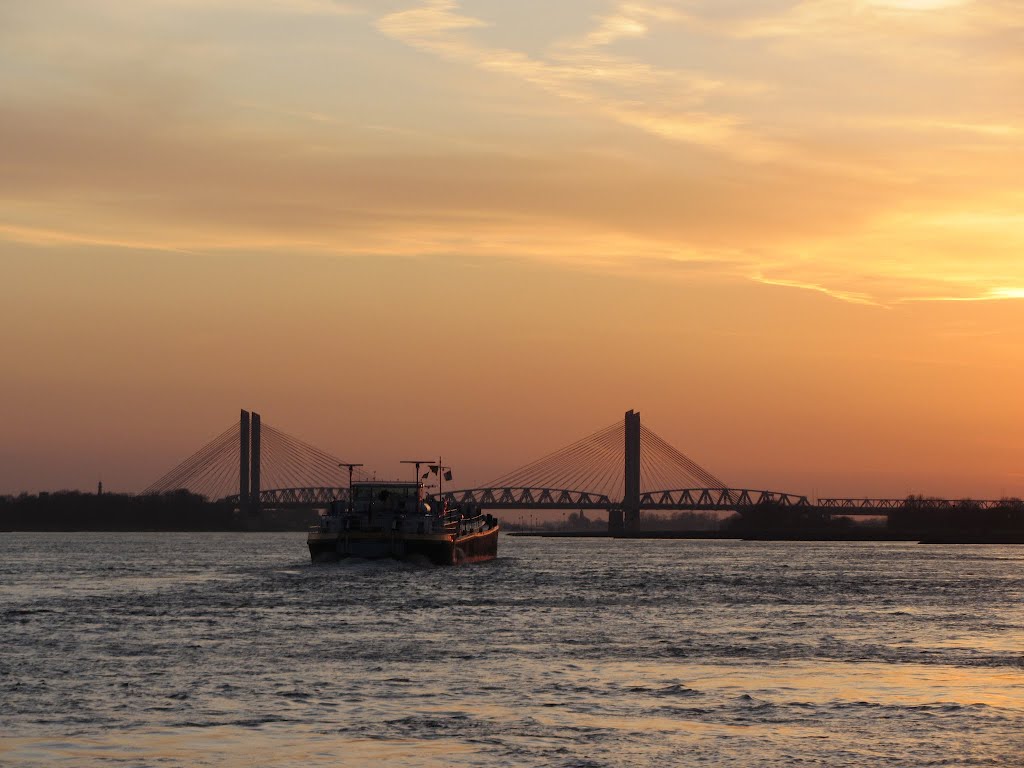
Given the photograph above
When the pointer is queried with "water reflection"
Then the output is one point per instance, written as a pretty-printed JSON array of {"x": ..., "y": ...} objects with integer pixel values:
[{"x": 228, "y": 650}]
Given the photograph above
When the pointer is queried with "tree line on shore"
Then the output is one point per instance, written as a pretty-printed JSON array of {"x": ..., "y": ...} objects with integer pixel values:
[
  {"x": 184, "y": 511},
  {"x": 917, "y": 514},
  {"x": 77, "y": 511}
]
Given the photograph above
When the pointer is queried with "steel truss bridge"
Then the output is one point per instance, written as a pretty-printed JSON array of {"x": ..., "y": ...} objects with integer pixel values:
[
  {"x": 527, "y": 498},
  {"x": 853, "y": 507},
  {"x": 623, "y": 469},
  {"x": 695, "y": 499},
  {"x": 685, "y": 499},
  {"x": 297, "y": 498}
]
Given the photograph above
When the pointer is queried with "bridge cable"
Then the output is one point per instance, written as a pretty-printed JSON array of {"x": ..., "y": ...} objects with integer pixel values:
[{"x": 178, "y": 477}]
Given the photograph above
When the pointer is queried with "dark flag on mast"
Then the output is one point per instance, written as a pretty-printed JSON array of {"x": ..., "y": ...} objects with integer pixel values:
[{"x": 435, "y": 468}]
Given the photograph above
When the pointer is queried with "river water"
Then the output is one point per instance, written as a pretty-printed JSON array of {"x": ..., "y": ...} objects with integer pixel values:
[{"x": 232, "y": 650}]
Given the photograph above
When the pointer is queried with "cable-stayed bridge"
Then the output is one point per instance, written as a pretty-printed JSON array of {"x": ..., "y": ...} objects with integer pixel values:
[
  {"x": 254, "y": 465},
  {"x": 623, "y": 469}
]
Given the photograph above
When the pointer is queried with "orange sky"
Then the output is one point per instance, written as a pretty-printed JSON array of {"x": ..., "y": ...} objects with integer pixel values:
[{"x": 789, "y": 233}]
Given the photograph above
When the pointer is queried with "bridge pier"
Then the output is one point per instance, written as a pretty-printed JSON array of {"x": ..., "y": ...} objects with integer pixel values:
[{"x": 615, "y": 522}]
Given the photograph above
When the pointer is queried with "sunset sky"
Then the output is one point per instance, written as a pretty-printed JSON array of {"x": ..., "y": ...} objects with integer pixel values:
[{"x": 790, "y": 234}]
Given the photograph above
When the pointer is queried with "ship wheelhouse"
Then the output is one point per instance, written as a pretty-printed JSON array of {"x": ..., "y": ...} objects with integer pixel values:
[{"x": 389, "y": 498}]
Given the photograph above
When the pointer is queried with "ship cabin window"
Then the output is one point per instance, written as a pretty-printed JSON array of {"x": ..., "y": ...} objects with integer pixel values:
[{"x": 384, "y": 496}]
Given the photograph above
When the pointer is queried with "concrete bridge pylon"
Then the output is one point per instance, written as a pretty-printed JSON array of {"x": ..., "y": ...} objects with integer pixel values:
[
  {"x": 249, "y": 462},
  {"x": 627, "y": 515}
]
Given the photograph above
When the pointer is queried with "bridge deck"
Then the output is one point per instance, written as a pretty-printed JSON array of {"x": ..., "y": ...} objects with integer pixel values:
[{"x": 683, "y": 499}]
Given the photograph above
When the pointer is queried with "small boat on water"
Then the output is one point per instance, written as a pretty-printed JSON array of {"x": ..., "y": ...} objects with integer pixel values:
[{"x": 395, "y": 520}]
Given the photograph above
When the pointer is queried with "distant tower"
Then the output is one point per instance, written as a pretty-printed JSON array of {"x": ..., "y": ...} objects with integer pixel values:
[{"x": 99, "y": 488}]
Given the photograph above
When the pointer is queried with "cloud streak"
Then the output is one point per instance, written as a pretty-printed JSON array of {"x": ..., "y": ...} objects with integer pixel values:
[
  {"x": 645, "y": 138},
  {"x": 668, "y": 103}
]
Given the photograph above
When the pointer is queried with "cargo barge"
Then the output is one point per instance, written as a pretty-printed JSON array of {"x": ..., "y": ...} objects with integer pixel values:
[{"x": 395, "y": 520}]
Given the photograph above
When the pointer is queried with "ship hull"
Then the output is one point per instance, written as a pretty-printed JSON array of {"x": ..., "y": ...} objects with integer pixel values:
[{"x": 439, "y": 549}]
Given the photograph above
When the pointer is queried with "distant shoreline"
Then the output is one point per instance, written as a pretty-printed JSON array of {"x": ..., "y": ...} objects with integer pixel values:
[
  {"x": 933, "y": 538},
  {"x": 833, "y": 536},
  {"x": 852, "y": 536}
]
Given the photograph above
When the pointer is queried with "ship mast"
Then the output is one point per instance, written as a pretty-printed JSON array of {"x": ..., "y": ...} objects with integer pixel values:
[
  {"x": 419, "y": 483},
  {"x": 441, "y": 469},
  {"x": 351, "y": 501}
]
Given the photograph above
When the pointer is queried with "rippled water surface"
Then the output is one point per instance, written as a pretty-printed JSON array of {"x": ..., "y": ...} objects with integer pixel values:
[{"x": 232, "y": 650}]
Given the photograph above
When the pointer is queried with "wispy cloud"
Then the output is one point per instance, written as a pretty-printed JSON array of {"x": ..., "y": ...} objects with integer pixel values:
[
  {"x": 663, "y": 138},
  {"x": 668, "y": 103},
  {"x": 848, "y": 296},
  {"x": 628, "y": 20},
  {"x": 53, "y": 237},
  {"x": 287, "y": 7}
]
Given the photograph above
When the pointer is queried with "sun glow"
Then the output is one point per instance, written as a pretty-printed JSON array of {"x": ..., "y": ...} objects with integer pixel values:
[{"x": 1007, "y": 293}]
